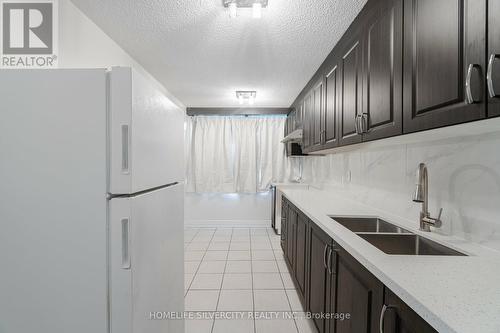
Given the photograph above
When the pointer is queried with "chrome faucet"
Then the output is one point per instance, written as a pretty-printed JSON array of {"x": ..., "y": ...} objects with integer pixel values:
[{"x": 422, "y": 195}]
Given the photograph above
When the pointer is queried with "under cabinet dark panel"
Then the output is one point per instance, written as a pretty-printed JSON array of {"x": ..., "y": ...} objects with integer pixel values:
[
  {"x": 493, "y": 80},
  {"x": 383, "y": 100},
  {"x": 400, "y": 318},
  {"x": 351, "y": 94},
  {"x": 444, "y": 48}
]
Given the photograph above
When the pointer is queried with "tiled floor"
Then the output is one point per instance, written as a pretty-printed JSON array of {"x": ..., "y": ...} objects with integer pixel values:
[{"x": 240, "y": 270}]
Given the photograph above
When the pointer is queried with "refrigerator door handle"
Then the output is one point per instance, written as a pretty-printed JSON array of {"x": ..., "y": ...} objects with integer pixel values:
[
  {"x": 125, "y": 148},
  {"x": 126, "y": 243}
]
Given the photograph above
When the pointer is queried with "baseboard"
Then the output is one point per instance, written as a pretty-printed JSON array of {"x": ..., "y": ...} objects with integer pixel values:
[{"x": 228, "y": 223}]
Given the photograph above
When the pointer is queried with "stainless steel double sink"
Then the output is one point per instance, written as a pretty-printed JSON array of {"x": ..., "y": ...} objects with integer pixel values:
[{"x": 392, "y": 239}]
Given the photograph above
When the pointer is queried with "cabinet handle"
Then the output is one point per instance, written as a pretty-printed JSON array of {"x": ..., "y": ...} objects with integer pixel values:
[
  {"x": 489, "y": 75},
  {"x": 468, "y": 89},
  {"x": 324, "y": 256},
  {"x": 333, "y": 250},
  {"x": 357, "y": 124},
  {"x": 329, "y": 260},
  {"x": 382, "y": 316},
  {"x": 363, "y": 123}
]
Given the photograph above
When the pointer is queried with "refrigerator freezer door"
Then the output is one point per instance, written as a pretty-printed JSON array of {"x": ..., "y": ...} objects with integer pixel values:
[
  {"x": 146, "y": 134},
  {"x": 53, "y": 213},
  {"x": 146, "y": 254}
]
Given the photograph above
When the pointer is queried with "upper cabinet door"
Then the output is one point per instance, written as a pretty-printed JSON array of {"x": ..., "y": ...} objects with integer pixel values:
[
  {"x": 307, "y": 121},
  {"x": 351, "y": 93},
  {"x": 382, "y": 95},
  {"x": 317, "y": 111},
  {"x": 329, "y": 120},
  {"x": 493, "y": 76},
  {"x": 444, "y": 62}
]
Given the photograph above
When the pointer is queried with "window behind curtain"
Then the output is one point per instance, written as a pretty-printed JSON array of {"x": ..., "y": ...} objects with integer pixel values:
[{"x": 235, "y": 154}]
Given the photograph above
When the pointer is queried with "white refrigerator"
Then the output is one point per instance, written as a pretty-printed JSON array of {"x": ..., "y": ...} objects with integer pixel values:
[{"x": 91, "y": 203}]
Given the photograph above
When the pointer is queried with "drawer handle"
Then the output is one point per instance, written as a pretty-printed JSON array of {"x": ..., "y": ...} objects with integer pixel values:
[
  {"x": 489, "y": 75},
  {"x": 382, "y": 317}
]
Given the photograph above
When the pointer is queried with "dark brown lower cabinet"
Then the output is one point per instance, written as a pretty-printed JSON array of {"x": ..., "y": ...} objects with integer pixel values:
[
  {"x": 290, "y": 235},
  {"x": 398, "y": 317},
  {"x": 318, "y": 276},
  {"x": 359, "y": 294},
  {"x": 331, "y": 282},
  {"x": 284, "y": 211},
  {"x": 302, "y": 231}
]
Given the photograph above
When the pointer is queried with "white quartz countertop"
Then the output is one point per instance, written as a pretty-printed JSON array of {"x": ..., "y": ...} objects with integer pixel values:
[{"x": 452, "y": 293}]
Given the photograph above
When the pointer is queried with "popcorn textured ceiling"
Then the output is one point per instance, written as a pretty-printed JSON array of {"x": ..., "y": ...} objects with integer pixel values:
[{"x": 202, "y": 56}]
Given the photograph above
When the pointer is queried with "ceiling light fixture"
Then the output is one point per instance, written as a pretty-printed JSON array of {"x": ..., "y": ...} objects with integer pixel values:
[
  {"x": 233, "y": 9},
  {"x": 246, "y": 96},
  {"x": 255, "y": 5},
  {"x": 257, "y": 10}
]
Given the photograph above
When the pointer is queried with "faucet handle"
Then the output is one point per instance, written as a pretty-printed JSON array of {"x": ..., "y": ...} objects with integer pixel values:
[
  {"x": 439, "y": 215},
  {"x": 430, "y": 221},
  {"x": 437, "y": 221}
]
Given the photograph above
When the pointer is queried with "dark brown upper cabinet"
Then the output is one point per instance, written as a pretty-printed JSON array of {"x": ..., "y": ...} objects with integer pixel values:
[
  {"x": 317, "y": 111},
  {"x": 307, "y": 122},
  {"x": 382, "y": 62},
  {"x": 405, "y": 66},
  {"x": 332, "y": 96},
  {"x": 493, "y": 69},
  {"x": 397, "y": 317},
  {"x": 359, "y": 293},
  {"x": 444, "y": 62},
  {"x": 350, "y": 66}
]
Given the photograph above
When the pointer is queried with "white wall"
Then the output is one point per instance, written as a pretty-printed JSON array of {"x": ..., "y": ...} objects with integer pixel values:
[
  {"x": 464, "y": 176},
  {"x": 82, "y": 44},
  {"x": 221, "y": 209}
]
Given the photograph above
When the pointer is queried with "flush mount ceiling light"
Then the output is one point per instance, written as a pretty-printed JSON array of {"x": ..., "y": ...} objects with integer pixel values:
[
  {"x": 246, "y": 96},
  {"x": 255, "y": 5}
]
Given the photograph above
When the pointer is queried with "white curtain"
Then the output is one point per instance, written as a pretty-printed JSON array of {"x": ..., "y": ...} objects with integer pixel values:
[{"x": 235, "y": 154}]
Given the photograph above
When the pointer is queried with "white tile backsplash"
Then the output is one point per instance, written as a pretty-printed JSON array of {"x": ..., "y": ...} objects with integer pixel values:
[{"x": 464, "y": 179}]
